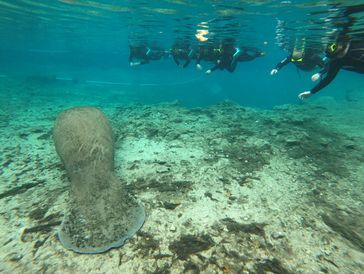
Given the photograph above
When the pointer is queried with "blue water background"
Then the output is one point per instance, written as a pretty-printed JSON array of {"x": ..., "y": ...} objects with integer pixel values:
[{"x": 98, "y": 51}]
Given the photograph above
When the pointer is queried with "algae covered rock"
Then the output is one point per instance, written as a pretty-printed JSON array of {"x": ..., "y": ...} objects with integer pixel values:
[{"x": 100, "y": 214}]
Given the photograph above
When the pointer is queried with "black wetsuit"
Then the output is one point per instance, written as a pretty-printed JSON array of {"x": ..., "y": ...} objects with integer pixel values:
[
  {"x": 230, "y": 56},
  {"x": 144, "y": 54},
  {"x": 207, "y": 53},
  {"x": 184, "y": 54},
  {"x": 248, "y": 54},
  {"x": 225, "y": 59},
  {"x": 353, "y": 60},
  {"x": 309, "y": 61}
]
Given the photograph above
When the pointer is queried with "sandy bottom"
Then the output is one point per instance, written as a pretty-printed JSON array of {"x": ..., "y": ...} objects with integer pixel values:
[{"x": 227, "y": 189}]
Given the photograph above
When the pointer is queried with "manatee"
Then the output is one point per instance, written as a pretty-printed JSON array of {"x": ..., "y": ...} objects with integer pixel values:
[{"x": 100, "y": 213}]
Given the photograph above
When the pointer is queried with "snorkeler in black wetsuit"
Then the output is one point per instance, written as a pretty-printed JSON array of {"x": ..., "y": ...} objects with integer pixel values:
[
  {"x": 305, "y": 59},
  {"x": 248, "y": 54},
  {"x": 343, "y": 55},
  {"x": 346, "y": 53},
  {"x": 207, "y": 53},
  {"x": 225, "y": 60},
  {"x": 141, "y": 55},
  {"x": 182, "y": 51},
  {"x": 229, "y": 56}
]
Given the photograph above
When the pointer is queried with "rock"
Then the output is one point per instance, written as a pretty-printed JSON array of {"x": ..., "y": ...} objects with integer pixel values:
[{"x": 278, "y": 235}]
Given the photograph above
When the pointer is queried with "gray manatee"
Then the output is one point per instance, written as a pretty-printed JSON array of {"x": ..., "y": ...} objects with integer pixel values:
[{"x": 101, "y": 214}]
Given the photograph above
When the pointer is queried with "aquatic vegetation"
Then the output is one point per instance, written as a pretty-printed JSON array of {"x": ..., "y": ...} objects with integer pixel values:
[
  {"x": 190, "y": 244},
  {"x": 351, "y": 227}
]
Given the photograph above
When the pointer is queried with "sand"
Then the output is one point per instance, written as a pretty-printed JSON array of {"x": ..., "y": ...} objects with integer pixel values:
[{"x": 226, "y": 188}]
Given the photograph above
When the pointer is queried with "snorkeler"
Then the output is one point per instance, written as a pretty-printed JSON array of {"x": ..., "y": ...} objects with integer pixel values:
[
  {"x": 230, "y": 55},
  {"x": 347, "y": 55},
  {"x": 248, "y": 54},
  {"x": 304, "y": 59},
  {"x": 141, "y": 55},
  {"x": 182, "y": 52},
  {"x": 208, "y": 53}
]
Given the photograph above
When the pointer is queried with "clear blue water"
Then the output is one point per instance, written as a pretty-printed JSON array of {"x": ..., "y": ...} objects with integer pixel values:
[{"x": 88, "y": 41}]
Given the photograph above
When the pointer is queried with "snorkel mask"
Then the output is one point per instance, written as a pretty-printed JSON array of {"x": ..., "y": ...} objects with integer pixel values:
[
  {"x": 298, "y": 51},
  {"x": 337, "y": 49},
  {"x": 331, "y": 49},
  {"x": 297, "y": 56}
]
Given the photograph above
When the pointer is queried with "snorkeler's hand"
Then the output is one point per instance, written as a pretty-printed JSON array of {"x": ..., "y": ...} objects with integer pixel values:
[
  {"x": 304, "y": 95},
  {"x": 199, "y": 67},
  {"x": 273, "y": 71},
  {"x": 208, "y": 71},
  {"x": 133, "y": 64},
  {"x": 315, "y": 77}
]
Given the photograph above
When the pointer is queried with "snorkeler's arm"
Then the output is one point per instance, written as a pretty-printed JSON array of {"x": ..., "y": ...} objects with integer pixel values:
[
  {"x": 280, "y": 65},
  {"x": 144, "y": 61},
  {"x": 198, "y": 65},
  {"x": 175, "y": 59},
  {"x": 236, "y": 55},
  {"x": 146, "y": 58},
  {"x": 318, "y": 61},
  {"x": 258, "y": 52},
  {"x": 198, "y": 59},
  {"x": 187, "y": 63},
  {"x": 217, "y": 65},
  {"x": 232, "y": 67},
  {"x": 331, "y": 71},
  {"x": 189, "y": 57},
  {"x": 131, "y": 60},
  {"x": 283, "y": 63},
  {"x": 252, "y": 53},
  {"x": 214, "y": 67}
]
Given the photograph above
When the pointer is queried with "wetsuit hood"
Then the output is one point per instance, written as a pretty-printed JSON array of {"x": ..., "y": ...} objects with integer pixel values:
[{"x": 337, "y": 49}]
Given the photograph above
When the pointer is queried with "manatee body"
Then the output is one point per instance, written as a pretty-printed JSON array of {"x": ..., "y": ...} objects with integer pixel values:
[{"x": 100, "y": 214}]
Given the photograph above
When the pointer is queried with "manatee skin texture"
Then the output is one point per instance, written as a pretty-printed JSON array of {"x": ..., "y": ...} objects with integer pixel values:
[{"x": 100, "y": 213}]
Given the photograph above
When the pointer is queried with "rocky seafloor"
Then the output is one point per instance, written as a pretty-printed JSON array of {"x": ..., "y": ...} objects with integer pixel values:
[{"x": 226, "y": 188}]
